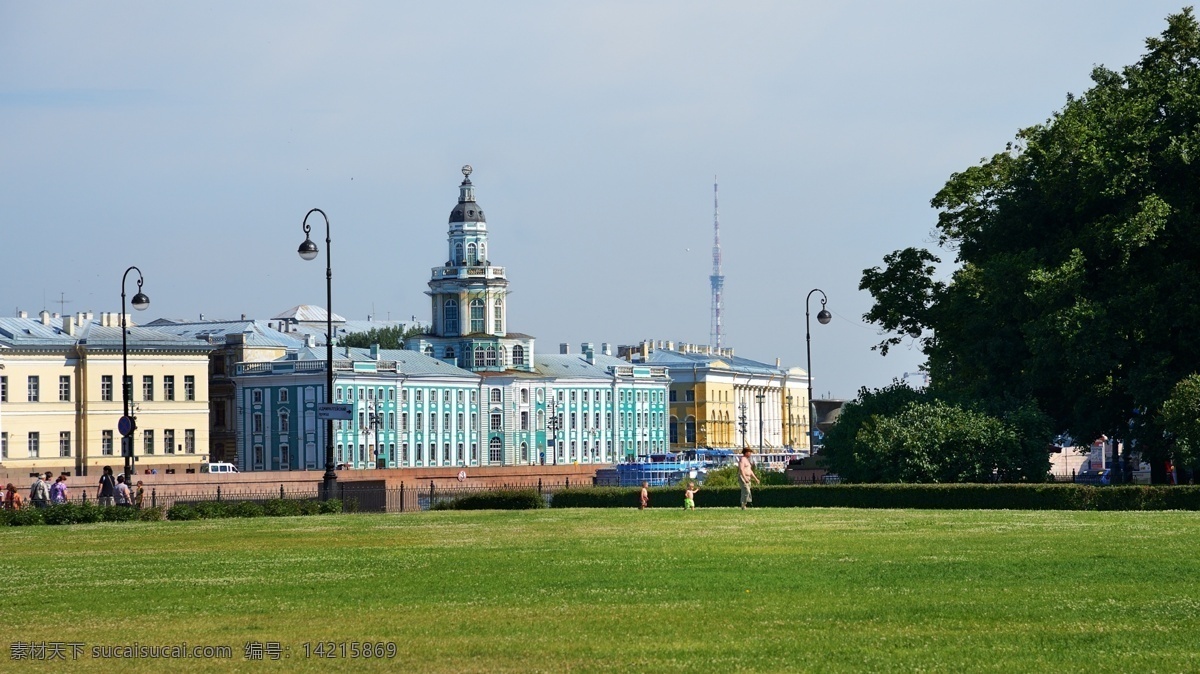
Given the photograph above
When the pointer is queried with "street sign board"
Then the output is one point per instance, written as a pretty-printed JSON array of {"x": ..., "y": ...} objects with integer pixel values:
[
  {"x": 126, "y": 426},
  {"x": 335, "y": 411}
]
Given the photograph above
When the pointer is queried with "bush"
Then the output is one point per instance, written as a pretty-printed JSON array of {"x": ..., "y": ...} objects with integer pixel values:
[
  {"x": 61, "y": 513},
  {"x": 280, "y": 507},
  {"x": 89, "y": 513},
  {"x": 212, "y": 510},
  {"x": 926, "y": 496},
  {"x": 25, "y": 517},
  {"x": 309, "y": 507},
  {"x": 246, "y": 509},
  {"x": 329, "y": 507},
  {"x": 154, "y": 514},
  {"x": 499, "y": 499},
  {"x": 182, "y": 512},
  {"x": 727, "y": 476},
  {"x": 118, "y": 514}
]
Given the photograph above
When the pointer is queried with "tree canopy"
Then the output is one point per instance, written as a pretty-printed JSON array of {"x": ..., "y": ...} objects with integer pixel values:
[
  {"x": 387, "y": 338},
  {"x": 1077, "y": 254}
]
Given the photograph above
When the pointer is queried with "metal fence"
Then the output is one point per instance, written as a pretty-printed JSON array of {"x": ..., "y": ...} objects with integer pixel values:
[{"x": 354, "y": 497}]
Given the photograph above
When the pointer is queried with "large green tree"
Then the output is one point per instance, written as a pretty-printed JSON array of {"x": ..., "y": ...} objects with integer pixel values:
[
  {"x": 387, "y": 338},
  {"x": 1077, "y": 254}
]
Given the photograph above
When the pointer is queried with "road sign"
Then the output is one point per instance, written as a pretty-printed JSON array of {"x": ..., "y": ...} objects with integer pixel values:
[
  {"x": 126, "y": 426},
  {"x": 335, "y": 411}
]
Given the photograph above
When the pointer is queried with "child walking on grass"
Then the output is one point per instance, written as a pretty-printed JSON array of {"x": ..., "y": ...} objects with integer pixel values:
[
  {"x": 645, "y": 498},
  {"x": 689, "y": 496}
]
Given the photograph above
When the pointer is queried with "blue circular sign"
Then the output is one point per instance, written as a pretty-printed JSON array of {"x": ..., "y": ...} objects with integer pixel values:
[{"x": 125, "y": 425}]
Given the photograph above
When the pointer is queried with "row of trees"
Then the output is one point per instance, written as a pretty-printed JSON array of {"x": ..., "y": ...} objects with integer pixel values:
[{"x": 1075, "y": 301}]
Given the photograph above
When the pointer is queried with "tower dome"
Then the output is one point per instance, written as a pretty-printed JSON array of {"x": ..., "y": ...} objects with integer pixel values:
[{"x": 466, "y": 210}]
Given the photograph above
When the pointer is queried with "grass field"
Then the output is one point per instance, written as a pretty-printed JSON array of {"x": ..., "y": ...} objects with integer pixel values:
[{"x": 622, "y": 590}]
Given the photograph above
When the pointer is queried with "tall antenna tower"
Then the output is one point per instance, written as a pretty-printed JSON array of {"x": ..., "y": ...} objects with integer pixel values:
[{"x": 716, "y": 332}]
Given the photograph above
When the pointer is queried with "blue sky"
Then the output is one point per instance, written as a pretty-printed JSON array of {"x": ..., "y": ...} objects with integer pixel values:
[{"x": 191, "y": 138}]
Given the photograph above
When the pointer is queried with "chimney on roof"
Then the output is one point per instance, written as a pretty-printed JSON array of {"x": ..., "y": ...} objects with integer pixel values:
[
  {"x": 243, "y": 317},
  {"x": 375, "y": 352},
  {"x": 45, "y": 317},
  {"x": 310, "y": 341},
  {"x": 22, "y": 314},
  {"x": 778, "y": 362},
  {"x": 606, "y": 348},
  {"x": 69, "y": 325},
  {"x": 564, "y": 348},
  {"x": 645, "y": 351},
  {"x": 589, "y": 353},
  {"x": 202, "y": 317}
]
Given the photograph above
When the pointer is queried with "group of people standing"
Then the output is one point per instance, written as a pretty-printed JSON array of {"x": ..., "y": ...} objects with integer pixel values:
[
  {"x": 43, "y": 492},
  {"x": 746, "y": 475}
]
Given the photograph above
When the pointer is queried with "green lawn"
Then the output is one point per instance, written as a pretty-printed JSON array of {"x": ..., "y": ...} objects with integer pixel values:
[{"x": 655, "y": 591}]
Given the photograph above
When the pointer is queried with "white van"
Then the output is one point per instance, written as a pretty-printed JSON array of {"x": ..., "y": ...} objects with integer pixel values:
[{"x": 218, "y": 467}]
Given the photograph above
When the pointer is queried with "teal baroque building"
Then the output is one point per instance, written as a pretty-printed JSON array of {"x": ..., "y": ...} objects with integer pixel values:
[{"x": 469, "y": 393}]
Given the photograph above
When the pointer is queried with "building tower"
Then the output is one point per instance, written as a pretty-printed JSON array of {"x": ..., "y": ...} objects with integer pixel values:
[
  {"x": 716, "y": 332},
  {"x": 468, "y": 296}
]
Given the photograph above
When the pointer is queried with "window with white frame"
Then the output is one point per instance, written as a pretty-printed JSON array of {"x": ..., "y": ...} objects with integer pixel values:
[
  {"x": 189, "y": 441},
  {"x": 4, "y": 388},
  {"x": 35, "y": 444},
  {"x": 494, "y": 450},
  {"x": 64, "y": 443},
  {"x": 491, "y": 356},
  {"x": 498, "y": 316},
  {"x": 106, "y": 443},
  {"x": 256, "y": 396},
  {"x": 257, "y": 422},
  {"x": 518, "y": 355},
  {"x": 106, "y": 387},
  {"x": 477, "y": 317},
  {"x": 168, "y": 387},
  {"x": 34, "y": 392},
  {"x": 148, "y": 387},
  {"x": 189, "y": 387},
  {"x": 496, "y": 395},
  {"x": 148, "y": 442},
  {"x": 524, "y": 421},
  {"x": 169, "y": 441},
  {"x": 64, "y": 389},
  {"x": 497, "y": 421},
  {"x": 4, "y": 444},
  {"x": 283, "y": 395}
]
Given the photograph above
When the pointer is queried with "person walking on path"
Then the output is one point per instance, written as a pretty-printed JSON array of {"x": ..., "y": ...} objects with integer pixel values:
[
  {"x": 107, "y": 487},
  {"x": 58, "y": 490},
  {"x": 12, "y": 500},
  {"x": 139, "y": 496},
  {"x": 645, "y": 497},
  {"x": 689, "y": 496},
  {"x": 123, "y": 497},
  {"x": 39, "y": 492},
  {"x": 745, "y": 475}
]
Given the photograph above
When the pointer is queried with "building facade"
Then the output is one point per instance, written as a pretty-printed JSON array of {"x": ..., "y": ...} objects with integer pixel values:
[
  {"x": 471, "y": 392},
  {"x": 60, "y": 397},
  {"x": 722, "y": 401}
]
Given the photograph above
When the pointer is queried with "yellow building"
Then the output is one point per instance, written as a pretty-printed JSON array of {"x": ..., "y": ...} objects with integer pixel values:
[
  {"x": 715, "y": 398},
  {"x": 60, "y": 399}
]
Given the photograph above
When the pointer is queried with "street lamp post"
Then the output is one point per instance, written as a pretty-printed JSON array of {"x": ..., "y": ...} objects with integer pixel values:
[
  {"x": 128, "y": 422},
  {"x": 308, "y": 251},
  {"x": 823, "y": 317},
  {"x": 760, "y": 398}
]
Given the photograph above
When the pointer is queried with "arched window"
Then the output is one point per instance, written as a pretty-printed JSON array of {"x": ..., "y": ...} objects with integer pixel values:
[
  {"x": 483, "y": 253},
  {"x": 518, "y": 355},
  {"x": 498, "y": 317},
  {"x": 502, "y": 361},
  {"x": 494, "y": 450},
  {"x": 479, "y": 356},
  {"x": 477, "y": 316},
  {"x": 428, "y": 350},
  {"x": 491, "y": 356},
  {"x": 524, "y": 453},
  {"x": 471, "y": 254},
  {"x": 449, "y": 353},
  {"x": 458, "y": 254},
  {"x": 284, "y": 424},
  {"x": 674, "y": 431},
  {"x": 450, "y": 317},
  {"x": 495, "y": 395}
]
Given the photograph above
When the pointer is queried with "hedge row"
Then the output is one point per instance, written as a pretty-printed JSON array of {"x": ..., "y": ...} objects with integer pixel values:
[
  {"x": 77, "y": 513},
  {"x": 926, "y": 496},
  {"x": 499, "y": 499},
  {"x": 211, "y": 510}
]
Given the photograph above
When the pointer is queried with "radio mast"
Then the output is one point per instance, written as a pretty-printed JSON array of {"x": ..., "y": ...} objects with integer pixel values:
[{"x": 716, "y": 332}]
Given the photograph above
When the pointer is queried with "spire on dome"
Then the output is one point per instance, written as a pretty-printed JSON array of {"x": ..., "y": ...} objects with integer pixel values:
[{"x": 466, "y": 210}]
